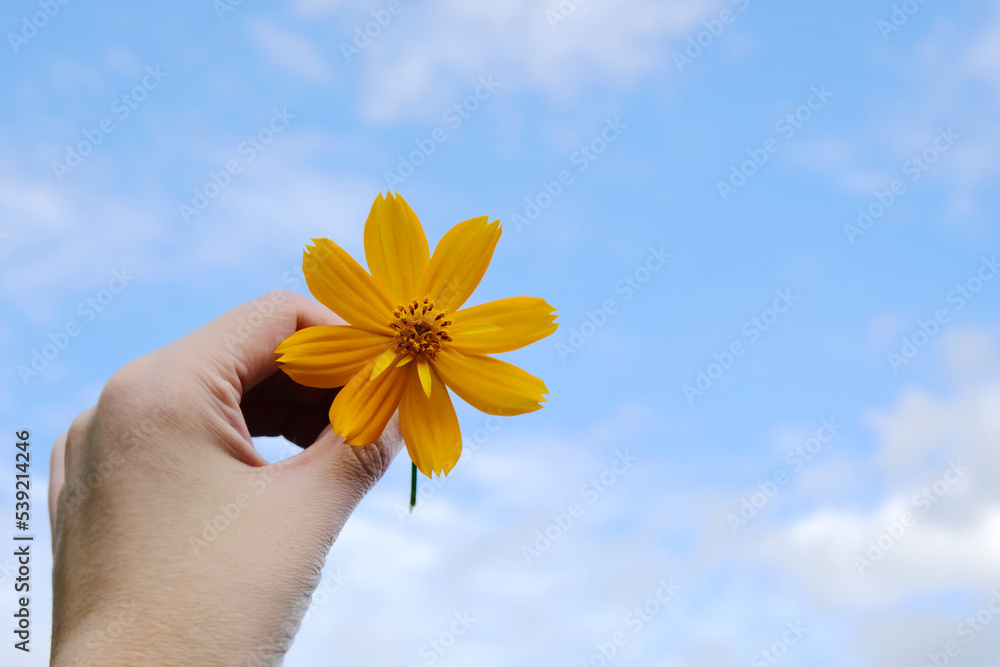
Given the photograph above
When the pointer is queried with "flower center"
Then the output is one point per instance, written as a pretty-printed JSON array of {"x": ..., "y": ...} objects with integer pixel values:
[{"x": 420, "y": 329}]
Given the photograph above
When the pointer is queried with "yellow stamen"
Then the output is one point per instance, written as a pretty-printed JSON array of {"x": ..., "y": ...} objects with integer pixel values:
[{"x": 419, "y": 330}]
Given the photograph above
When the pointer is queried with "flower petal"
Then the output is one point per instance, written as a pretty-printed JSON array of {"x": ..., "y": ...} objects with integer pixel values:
[
  {"x": 459, "y": 262},
  {"x": 383, "y": 361},
  {"x": 515, "y": 322},
  {"x": 396, "y": 248},
  {"x": 340, "y": 284},
  {"x": 363, "y": 407},
  {"x": 488, "y": 384},
  {"x": 424, "y": 373},
  {"x": 328, "y": 356},
  {"x": 430, "y": 426}
]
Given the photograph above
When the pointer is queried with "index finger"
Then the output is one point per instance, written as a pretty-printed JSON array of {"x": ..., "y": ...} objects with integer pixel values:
[{"x": 239, "y": 346}]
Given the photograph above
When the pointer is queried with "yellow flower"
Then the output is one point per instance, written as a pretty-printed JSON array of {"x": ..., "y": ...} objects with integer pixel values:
[{"x": 406, "y": 342}]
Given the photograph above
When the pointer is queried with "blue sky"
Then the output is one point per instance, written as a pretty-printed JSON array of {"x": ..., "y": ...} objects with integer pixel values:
[{"x": 618, "y": 123}]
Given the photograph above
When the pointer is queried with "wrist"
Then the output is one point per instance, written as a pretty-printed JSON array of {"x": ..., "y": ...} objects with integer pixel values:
[
  {"x": 127, "y": 634},
  {"x": 105, "y": 633}
]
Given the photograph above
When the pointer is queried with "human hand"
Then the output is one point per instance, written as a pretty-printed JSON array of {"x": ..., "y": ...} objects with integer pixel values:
[{"x": 169, "y": 527}]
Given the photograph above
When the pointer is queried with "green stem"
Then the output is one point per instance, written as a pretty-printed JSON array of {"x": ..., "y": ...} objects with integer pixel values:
[{"x": 413, "y": 487}]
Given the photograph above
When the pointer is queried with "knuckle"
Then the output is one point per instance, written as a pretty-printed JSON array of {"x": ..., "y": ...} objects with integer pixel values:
[
  {"x": 281, "y": 295},
  {"x": 369, "y": 467},
  {"x": 58, "y": 455},
  {"x": 71, "y": 449},
  {"x": 76, "y": 436},
  {"x": 373, "y": 460},
  {"x": 142, "y": 387},
  {"x": 280, "y": 300},
  {"x": 123, "y": 389}
]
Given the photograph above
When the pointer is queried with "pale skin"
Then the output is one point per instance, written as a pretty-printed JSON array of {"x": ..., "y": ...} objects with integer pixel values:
[{"x": 175, "y": 542}]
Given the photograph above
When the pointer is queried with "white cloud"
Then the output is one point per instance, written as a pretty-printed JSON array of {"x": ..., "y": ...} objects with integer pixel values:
[
  {"x": 953, "y": 545},
  {"x": 433, "y": 52},
  {"x": 885, "y": 329},
  {"x": 64, "y": 239},
  {"x": 281, "y": 202},
  {"x": 292, "y": 53},
  {"x": 950, "y": 78},
  {"x": 461, "y": 550},
  {"x": 983, "y": 55},
  {"x": 59, "y": 236},
  {"x": 314, "y": 8}
]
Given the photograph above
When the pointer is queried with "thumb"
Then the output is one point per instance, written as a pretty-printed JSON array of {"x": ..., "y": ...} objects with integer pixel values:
[{"x": 332, "y": 476}]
